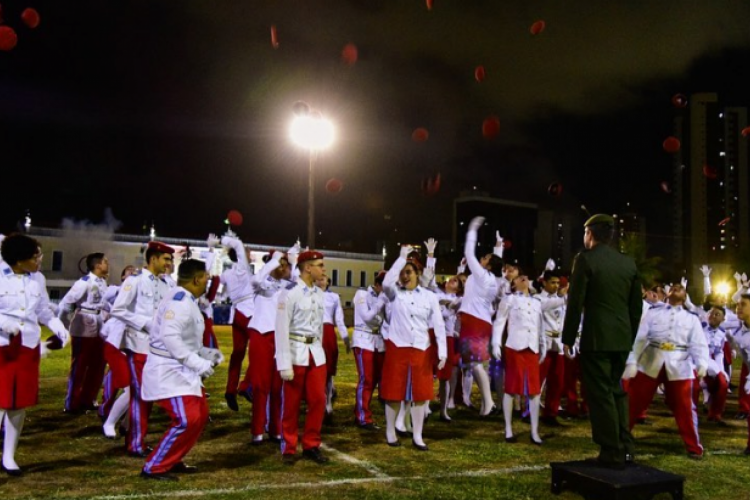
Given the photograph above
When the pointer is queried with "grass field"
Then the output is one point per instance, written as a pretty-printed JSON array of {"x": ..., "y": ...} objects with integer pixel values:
[{"x": 67, "y": 456}]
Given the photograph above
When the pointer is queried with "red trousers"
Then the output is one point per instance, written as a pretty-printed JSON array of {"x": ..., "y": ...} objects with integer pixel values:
[
  {"x": 240, "y": 341},
  {"x": 717, "y": 387},
  {"x": 266, "y": 384},
  {"x": 86, "y": 372},
  {"x": 19, "y": 375},
  {"x": 331, "y": 348},
  {"x": 572, "y": 376},
  {"x": 370, "y": 369},
  {"x": 743, "y": 398},
  {"x": 118, "y": 377},
  {"x": 679, "y": 399},
  {"x": 209, "y": 337},
  {"x": 309, "y": 383},
  {"x": 189, "y": 416},
  {"x": 553, "y": 371},
  {"x": 139, "y": 409}
]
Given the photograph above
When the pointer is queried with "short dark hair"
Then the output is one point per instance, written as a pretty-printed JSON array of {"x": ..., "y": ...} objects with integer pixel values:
[
  {"x": 379, "y": 278},
  {"x": 550, "y": 274},
  {"x": 720, "y": 308},
  {"x": 189, "y": 269},
  {"x": 414, "y": 266},
  {"x": 232, "y": 254},
  {"x": 745, "y": 296},
  {"x": 153, "y": 252},
  {"x": 602, "y": 233},
  {"x": 122, "y": 274},
  {"x": 93, "y": 259},
  {"x": 18, "y": 247},
  {"x": 496, "y": 265}
]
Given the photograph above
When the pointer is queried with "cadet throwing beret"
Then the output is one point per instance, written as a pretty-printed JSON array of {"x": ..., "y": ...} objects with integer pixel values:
[
  {"x": 600, "y": 219},
  {"x": 309, "y": 255}
]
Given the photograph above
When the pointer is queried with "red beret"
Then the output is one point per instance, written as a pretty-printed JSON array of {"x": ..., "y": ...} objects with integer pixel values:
[
  {"x": 309, "y": 255},
  {"x": 416, "y": 263},
  {"x": 160, "y": 247}
]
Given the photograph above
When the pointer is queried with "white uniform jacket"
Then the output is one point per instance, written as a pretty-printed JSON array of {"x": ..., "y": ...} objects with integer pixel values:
[
  {"x": 411, "y": 312},
  {"x": 671, "y": 337},
  {"x": 267, "y": 290},
  {"x": 299, "y": 327},
  {"x": 715, "y": 338},
  {"x": 523, "y": 315},
  {"x": 553, "y": 314},
  {"x": 333, "y": 312},
  {"x": 482, "y": 286},
  {"x": 368, "y": 320},
  {"x": 86, "y": 301},
  {"x": 135, "y": 306},
  {"x": 24, "y": 302},
  {"x": 238, "y": 281},
  {"x": 449, "y": 304},
  {"x": 740, "y": 338},
  {"x": 176, "y": 337}
]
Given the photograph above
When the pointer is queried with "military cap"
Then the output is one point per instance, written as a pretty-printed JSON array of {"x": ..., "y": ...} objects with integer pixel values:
[
  {"x": 160, "y": 247},
  {"x": 600, "y": 219},
  {"x": 309, "y": 255}
]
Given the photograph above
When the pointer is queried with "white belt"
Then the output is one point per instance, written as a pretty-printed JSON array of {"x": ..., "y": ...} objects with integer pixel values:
[
  {"x": 242, "y": 299},
  {"x": 668, "y": 346},
  {"x": 371, "y": 332},
  {"x": 552, "y": 334},
  {"x": 160, "y": 352},
  {"x": 89, "y": 311},
  {"x": 303, "y": 339}
]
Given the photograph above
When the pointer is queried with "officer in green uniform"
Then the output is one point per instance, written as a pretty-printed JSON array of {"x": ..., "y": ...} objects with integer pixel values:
[{"x": 605, "y": 288}]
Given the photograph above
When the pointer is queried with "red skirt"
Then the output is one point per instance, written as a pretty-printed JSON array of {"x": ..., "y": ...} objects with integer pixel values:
[
  {"x": 19, "y": 375},
  {"x": 453, "y": 356},
  {"x": 475, "y": 339},
  {"x": 331, "y": 348},
  {"x": 118, "y": 366},
  {"x": 407, "y": 374},
  {"x": 522, "y": 372}
]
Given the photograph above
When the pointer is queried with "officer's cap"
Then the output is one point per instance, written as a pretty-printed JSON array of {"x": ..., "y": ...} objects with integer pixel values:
[
  {"x": 160, "y": 247},
  {"x": 309, "y": 255},
  {"x": 600, "y": 219}
]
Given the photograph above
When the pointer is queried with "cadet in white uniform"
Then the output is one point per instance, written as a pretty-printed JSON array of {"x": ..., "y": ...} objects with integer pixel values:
[
  {"x": 669, "y": 346},
  {"x": 23, "y": 305},
  {"x": 552, "y": 371},
  {"x": 85, "y": 301},
  {"x": 301, "y": 360},
  {"x": 135, "y": 307},
  {"x": 332, "y": 313},
  {"x": 174, "y": 369}
]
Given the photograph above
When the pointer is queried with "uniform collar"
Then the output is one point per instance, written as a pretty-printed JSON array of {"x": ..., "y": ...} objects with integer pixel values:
[{"x": 313, "y": 288}]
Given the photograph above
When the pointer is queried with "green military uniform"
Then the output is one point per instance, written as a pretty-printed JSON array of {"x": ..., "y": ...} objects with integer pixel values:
[{"x": 604, "y": 286}]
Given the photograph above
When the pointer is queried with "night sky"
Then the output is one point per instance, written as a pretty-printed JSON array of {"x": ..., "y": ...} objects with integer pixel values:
[{"x": 177, "y": 111}]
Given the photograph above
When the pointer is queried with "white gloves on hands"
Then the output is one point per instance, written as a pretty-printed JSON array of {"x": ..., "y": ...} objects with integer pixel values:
[
  {"x": 684, "y": 282},
  {"x": 705, "y": 270},
  {"x": 475, "y": 224},
  {"x": 747, "y": 386},
  {"x": 213, "y": 355},
  {"x": 60, "y": 332},
  {"x": 276, "y": 255},
  {"x": 497, "y": 351},
  {"x": 287, "y": 375},
  {"x": 212, "y": 241},
  {"x": 667, "y": 288},
  {"x": 430, "y": 244},
  {"x": 405, "y": 251},
  {"x": 701, "y": 371},
  {"x": 462, "y": 266},
  {"x": 631, "y": 370},
  {"x": 441, "y": 363},
  {"x": 551, "y": 265}
]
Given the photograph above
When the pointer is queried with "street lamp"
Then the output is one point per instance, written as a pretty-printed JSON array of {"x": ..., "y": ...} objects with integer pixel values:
[{"x": 311, "y": 131}]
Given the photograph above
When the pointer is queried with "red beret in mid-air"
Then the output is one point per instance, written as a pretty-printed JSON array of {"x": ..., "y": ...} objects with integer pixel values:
[
  {"x": 420, "y": 134},
  {"x": 349, "y": 54},
  {"x": 746, "y": 132},
  {"x": 8, "y": 38},
  {"x": 671, "y": 144},
  {"x": 723, "y": 222},
  {"x": 30, "y": 17},
  {"x": 479, "y": 74},
  {"x": 490, "y": 127},
  {"x": 679, "y": 101},
  {"x": 537, "y": 27},
  {"x": 431, "y": 185},
  {"x": 234, "y": 217},
  {"x": 665, "y": 187},
  {"x": 428, "y": 3},
  {"x": 710, "y": 171},
  {"x": 274, "y": 37},
  {"x": 555, "y": 189},
  {"x": 334, "y": 186}
]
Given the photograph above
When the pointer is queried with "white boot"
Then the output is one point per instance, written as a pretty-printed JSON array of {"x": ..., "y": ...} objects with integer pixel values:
[
  {"x": 417, "y": 419},
  {"x": 13, "y": 427},
  {"x": 534, "y": 413},
  {"x": 119, "y": 408}
]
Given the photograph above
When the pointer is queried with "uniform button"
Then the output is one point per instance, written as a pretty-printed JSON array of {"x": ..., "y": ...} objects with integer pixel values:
[{"x": 23, "y": 309}]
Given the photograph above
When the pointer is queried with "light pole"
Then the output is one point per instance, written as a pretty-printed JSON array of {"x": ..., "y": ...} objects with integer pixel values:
[{"x": 314, "y": 133}]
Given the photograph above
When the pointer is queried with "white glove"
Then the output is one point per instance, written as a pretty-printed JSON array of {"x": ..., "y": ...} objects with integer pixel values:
[
  {"x": 462, "y": 266},
  {"x": 683, "y": 282},
  {"x": 667, "y": 288},
  {"x": 701, "y": 371},
  {"x": 475, "y": 224},
  {"x": 294, "y": 248},
  {"x": 11, "y": 327},
  {"x": 44, "y": 350},
  {"x": 498, "y": 239},
  {"x": 276, "y": 255},
  {"x": 737, "y": 278},
  {"x": 551, "y": 265},
  {"x": 705, "y": 270},
  {"x": 430, "y": 244},
  {"x": 631, "y": 370},
  {"x": 228, "y": 240},
  {"x": 497, "y": 352},
  {"x": 287, "y": 375},
  {"x": 213, "y": 355},
  {"x": 202, "y": 367},
  {"x": 405, "y": 251},
  {"x": 212, "y": 241},
  {"x": 441, "y": 363},
  {"x": 747, "y": 386},
  {"x": 229, "y": 233}
]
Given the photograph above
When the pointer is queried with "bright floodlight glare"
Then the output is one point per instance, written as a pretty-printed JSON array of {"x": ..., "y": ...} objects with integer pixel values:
[
  {"x": 722, "y": 288},
  {"x": 311, "y": 133}
]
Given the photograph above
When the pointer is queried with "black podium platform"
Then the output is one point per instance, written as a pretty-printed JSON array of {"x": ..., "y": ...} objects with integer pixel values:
[{"x": 633, "y": 482}]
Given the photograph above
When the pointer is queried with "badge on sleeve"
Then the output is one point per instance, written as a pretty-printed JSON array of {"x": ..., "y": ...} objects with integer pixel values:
[
  {"x": 282, "y": 306},
  {"x": 127, "y": 288},
  {"x": 169, "y": 314}
]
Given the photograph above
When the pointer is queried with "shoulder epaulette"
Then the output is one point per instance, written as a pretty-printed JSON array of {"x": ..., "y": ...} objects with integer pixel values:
[
  {"x": 658, "y": 305},
  {"x": 86, "y": 278},
  {"x": 7, "y": 270},
  {"x": 693, "y": 313},
  {"x": 179, "y": 296}
]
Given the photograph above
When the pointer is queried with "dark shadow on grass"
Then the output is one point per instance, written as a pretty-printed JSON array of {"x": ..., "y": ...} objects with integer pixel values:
[{"x": 53, "y": 465}]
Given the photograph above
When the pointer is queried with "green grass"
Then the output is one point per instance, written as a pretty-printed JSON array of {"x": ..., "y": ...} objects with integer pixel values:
[{"x": 67, "y": 456}]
